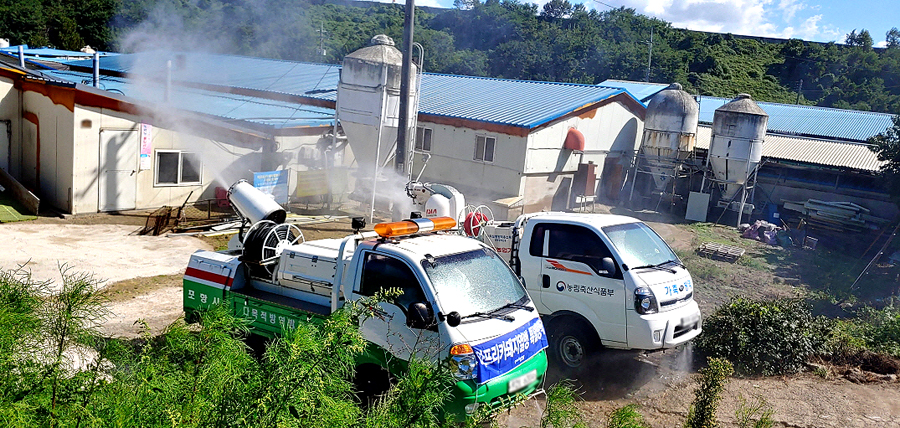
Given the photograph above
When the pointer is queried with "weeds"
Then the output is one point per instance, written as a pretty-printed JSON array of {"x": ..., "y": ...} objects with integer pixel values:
[
  {"x": 561, "y": 409},
  {"x": 755, "y": 413},
  {"x": 626, "y": 417}
]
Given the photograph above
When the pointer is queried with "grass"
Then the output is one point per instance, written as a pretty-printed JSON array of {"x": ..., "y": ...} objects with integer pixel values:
[{"x": 11, "y": 210}]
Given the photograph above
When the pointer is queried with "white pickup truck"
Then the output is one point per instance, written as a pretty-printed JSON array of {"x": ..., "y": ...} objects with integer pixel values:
[
  {"x": 460, "y": 301},
  {"x": 598, "y": 279}
]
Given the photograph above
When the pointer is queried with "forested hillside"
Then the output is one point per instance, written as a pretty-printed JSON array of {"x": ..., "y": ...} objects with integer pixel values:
[{"x": 557, "y": 42}]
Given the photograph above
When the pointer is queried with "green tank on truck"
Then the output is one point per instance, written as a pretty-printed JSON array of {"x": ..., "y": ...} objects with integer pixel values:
[{"x": 459, "y": 301}]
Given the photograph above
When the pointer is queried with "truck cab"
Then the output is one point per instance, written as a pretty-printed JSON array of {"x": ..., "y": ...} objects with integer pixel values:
[{"x": 602, "y": 280}]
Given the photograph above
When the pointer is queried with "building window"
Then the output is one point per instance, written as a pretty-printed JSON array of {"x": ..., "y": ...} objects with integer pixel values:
[
  {"x": 484, "y": 148},
  {"x": 423, "y": 139},
  {"x": 174, "y": 167}
]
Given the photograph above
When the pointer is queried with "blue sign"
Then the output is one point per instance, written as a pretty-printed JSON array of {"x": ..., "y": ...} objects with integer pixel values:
[
  {"x": 500, "y": 355},
  {"x": 273, "y": 183}
]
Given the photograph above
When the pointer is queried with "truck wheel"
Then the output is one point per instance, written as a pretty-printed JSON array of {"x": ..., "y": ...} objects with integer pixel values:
[
  {"x": 370, "y": 382},
  {"x": 570, "y": 347}
]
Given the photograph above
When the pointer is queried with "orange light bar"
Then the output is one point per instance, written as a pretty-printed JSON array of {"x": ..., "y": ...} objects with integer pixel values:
[
  {"x": 461, "y": 349},
  {"x": 409, "y": 227}
]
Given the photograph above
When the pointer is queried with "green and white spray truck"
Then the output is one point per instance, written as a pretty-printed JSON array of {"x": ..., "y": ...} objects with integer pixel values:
[
  {"x": 598, "y": 280},
  {"x": 460, "y": 301}
]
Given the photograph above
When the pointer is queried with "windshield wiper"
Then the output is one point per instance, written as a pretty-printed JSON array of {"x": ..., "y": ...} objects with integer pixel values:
[
  {"x": 659, "y": 266},
  {"x": 515, "y": 305},
  {"x": 490, "y": 314}
]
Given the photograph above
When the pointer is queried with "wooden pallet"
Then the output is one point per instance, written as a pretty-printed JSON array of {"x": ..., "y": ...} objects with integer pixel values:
[{"x": 724, "y": 252}]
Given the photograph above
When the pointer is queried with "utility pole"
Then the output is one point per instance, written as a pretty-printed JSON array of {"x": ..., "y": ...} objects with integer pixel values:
[
  {"x": 322, "y": 33},
  {"x": 799, "y": 89},
  {"x": 400, "y": 156},
  {"x": 649, "y": 54}
]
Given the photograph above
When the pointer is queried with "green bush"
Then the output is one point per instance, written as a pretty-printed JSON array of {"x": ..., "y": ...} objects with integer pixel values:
[
  {"x": 764, "y": 337},
  {"x": 708, "y": 394},
  {"x": 880, "y": 329}
]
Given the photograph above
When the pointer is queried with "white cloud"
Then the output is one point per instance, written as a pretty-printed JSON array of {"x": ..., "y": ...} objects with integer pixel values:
[
  {"x": 881, "y": 44},
  {"x": 790, "y": 8}
]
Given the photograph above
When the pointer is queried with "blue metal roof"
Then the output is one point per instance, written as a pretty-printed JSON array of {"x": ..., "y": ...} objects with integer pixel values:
[
  {"x": 262, "y": 111},
  {"x": 509, "y": 102},
  {"x": 640, "y": 90},
  {"x": 519, "y": 103},
  {"x": 50, "y": 54},
  {"x": 811, "y": 121},
  {"x": 789, "y": 119},
  {"x": 269, "y": 75}
]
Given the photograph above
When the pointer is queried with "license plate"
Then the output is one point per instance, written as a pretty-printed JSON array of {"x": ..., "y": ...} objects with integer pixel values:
[
  {"x": 690, "y": 320},
  {"x": 520, "y": 382}
]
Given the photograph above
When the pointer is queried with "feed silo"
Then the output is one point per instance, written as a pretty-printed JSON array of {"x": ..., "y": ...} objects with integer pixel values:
[
  {"x": 735, "y": 150},
  {"x": 670, "y": 132},
  {"x": 368, "y": 106}
]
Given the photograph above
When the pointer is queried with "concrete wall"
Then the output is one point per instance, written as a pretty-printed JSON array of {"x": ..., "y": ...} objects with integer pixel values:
[
  {"x": 10, "y": 110},
  {"x": 47, "y": 155},
  {"x": 452, "y": 162},
  {"x": 611, "y": 131},
  {"x": 223, "y": 163}
]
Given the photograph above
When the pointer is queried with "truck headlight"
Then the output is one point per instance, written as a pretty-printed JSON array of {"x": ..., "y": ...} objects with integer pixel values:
[
  {"x": 645, "y": 301},
  {"x": 463, "y": 361}
]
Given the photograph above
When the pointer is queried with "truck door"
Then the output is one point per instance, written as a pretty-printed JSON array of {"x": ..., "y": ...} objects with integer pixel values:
[
  {"x": 573, "y": 277},
  {"x": 388, "y": 327}
]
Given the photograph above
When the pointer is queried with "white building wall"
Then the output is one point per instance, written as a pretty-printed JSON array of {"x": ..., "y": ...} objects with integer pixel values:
[
  {"x": 222, "y": 163},
  {"x": 612, "y": 134},
  {"x": 452, "y": 162},
  {"x": 10, "y": 110},
  {"x": 47, "y": 158}
]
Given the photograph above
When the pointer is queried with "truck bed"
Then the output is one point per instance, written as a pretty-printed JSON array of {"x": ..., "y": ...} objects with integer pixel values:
[{"x": 284, "y": 301}]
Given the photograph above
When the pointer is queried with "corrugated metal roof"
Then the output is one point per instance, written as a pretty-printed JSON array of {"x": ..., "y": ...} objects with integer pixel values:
[
  {"x": 509, "y": 102},
  {"x": 852, "y": 125},
  {"x": 271, "y": 75},
  {"x": 262, "y": 111},
  {"x": 809, "y": 150},
  {"x": 641, "y": 90},
  {"x": 49, "y": 54},
  {"x": 791, "y": 119},
  {"x": 519, "y": 103}
]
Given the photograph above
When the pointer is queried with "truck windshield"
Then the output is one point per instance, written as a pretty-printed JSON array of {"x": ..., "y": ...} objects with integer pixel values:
[
  {"x": 474, "y": 281},
  {"x": 638, "y": 245}
]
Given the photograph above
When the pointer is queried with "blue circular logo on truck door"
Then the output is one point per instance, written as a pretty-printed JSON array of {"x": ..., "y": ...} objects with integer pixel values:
[{"x": 560, "y": 286}]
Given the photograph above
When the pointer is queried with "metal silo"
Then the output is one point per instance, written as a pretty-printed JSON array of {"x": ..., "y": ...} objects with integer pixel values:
[
  {"x": 670, "y": 131},
  {"x": 738, "y": 132},
  {"x": 368, "y": 105}
]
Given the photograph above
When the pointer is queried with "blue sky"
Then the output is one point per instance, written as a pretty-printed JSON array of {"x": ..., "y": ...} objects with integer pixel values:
[{"x": 815, "y": 20}]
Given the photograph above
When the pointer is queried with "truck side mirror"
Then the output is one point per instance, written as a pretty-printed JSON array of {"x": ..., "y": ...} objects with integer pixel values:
[
  {"x": 453, "y": 319},
  {"x": 419, "y": 316},
  {"x": 608, "y": 265}
]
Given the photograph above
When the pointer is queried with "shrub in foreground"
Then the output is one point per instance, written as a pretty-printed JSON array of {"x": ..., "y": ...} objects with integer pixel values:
[{"x": 765, "y": 337}]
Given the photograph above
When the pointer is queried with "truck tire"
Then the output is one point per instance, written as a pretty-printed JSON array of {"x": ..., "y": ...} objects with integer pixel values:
[
  {"x": 571, "y": 345},
  {"x": 370, "y": 382}
]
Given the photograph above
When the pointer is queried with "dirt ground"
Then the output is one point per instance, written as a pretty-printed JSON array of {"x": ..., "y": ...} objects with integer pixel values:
[{"x": 144, "y": 282}]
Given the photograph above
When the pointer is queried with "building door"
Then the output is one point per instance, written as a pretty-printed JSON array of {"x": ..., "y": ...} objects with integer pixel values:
[{"x": 118, "y": 170}]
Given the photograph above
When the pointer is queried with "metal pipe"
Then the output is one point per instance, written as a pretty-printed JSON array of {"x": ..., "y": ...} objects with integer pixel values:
[
  {"x": 168, "y": 81},
  {"x": 21, "y": 56},
  {"x": 400, "y": 157},
  {"x": 96, "y": 69}
]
